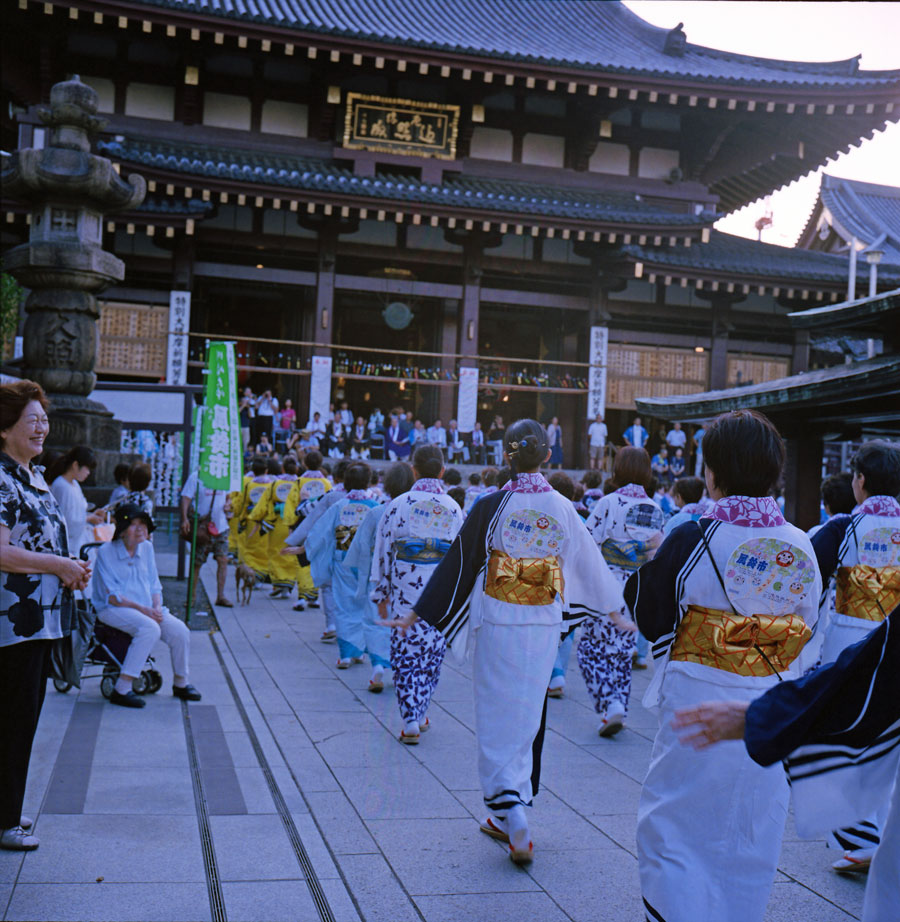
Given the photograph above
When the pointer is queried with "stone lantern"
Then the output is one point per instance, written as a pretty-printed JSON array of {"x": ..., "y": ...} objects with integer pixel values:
[{"x": 69, "y": 190}]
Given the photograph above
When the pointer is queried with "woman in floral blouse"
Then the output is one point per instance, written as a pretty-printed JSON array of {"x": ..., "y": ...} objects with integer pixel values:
[{"x": 35, "y": 567}]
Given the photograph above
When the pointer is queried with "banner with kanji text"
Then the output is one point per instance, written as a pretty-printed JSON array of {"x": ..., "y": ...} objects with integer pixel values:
[{"x": 221, "y": 455}]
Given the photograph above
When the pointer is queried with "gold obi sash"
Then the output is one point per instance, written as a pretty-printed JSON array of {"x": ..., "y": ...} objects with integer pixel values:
[
  {"x": 728, "y": 641},
  {"x": 869, "y": 593},
  {"x": 523, "y": 580}
]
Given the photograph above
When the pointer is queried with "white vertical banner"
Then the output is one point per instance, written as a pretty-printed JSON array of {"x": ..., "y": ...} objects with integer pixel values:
[
  {"x": 179, "y": 324},
  {"x": 599, "y": 351},
  {"x": 320, "y": 387},
  {"x": 196, "y": 439},
  {"x": 467, "y": 401}
]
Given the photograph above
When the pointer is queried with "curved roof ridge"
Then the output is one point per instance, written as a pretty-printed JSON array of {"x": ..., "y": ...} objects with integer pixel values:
[
  {"x": 862, "y": 186},
  {"x": 869, "y": 211},
  {"x": 603, "y": 36}
]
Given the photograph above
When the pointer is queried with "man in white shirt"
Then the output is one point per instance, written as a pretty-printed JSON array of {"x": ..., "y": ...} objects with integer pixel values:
[
  {"x": 597, "y": 434},
  {"x": 215, "y": 505},
  {"x": 437, "y": 435},
  {"x": 455, "y": 444},
  {"x": 346, "y": 415},
  {"x": 266, "y": 408},
  {"x": 316, "y": 428},
  {"x": 676, "y": 438}
]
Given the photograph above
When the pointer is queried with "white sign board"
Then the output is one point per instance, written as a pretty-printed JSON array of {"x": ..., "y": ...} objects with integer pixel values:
[
  {"x": 143, "y": 407},
  {"x": 467, "y": 402},
  {"x": 597, "y": 376},
  {"x": 179, "y": 324},
  {"x": 320, "y": 387}
]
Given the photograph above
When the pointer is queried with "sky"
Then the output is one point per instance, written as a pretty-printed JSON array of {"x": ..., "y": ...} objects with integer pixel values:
[{"x": 811, "y": 31}]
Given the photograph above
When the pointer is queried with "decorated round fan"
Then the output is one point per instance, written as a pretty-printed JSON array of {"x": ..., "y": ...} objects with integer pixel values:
[
  {"x": 531, "y": 533},
  {"x": 429, "y": 519},
  {"x": 768, "y": 576},
  {"x": 880, "y": 547}
]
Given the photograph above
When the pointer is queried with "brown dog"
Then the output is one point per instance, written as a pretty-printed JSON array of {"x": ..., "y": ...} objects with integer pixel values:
[{"x": 244, "y": 582}]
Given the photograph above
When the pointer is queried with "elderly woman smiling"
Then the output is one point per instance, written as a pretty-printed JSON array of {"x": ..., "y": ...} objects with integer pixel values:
[{"x": 35, "y": 567}]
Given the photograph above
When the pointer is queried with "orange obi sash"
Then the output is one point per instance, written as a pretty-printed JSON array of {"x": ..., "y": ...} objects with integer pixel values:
[
  {"x": 728, "y": 641},
  {"x": 870, "y": 593},
  {"x": 523, "y": 580}
]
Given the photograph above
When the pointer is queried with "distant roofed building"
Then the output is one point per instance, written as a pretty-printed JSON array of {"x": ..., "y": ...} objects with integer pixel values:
[{"x": 848, "y": 209}]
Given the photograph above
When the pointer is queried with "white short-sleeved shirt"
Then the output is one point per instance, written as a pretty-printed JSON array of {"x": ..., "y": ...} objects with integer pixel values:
[
  {"x": 677, "y": 438},
  {"x": 597, "y": 434},
  {"x": 209, "y": 500}
]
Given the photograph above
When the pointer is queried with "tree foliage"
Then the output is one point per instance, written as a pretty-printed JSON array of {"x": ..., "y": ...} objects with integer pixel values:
[{"x": 10, "y": 301}]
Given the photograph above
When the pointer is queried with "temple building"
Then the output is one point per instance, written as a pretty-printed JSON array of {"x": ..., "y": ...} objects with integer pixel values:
[
  {"x": 848, "y": 401},
  {"x": 410, "y": 190}
]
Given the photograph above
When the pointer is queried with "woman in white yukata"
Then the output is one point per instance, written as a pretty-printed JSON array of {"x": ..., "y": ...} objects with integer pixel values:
[
  {"x": 627, "y": 526},
  {"x": 65, "y": 478},
  {"x": 326, "y": 547},
  {"x": 397, "y": 480},
  {"x": 861, "y": 552},
  {"x": 729, "y": 602},
  {"x": 414, "y": 535},
  {"x": 521, "y": 572}
]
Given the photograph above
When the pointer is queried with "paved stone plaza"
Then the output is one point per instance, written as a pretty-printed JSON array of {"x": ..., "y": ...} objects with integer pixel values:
[{"x": 284, "y": 795}]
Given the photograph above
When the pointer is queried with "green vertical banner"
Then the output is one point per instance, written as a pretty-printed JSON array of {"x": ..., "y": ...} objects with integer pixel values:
[{"x": 221, "y": 456}]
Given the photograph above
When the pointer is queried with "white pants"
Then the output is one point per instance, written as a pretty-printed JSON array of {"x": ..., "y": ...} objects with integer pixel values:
[
  {"x": 710, "y": 823},
  {"x": 510, "y": 673},
  {"x": 145, "y": 632},
  {"x": 454, "y": 450}
]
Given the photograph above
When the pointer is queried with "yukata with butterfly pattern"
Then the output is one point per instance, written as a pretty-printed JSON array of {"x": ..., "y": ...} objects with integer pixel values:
[
  {"x": 627, "y": 527},
  {"x": 413, "y": 536}
]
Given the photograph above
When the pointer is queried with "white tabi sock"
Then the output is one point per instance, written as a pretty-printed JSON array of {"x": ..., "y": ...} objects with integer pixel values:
[
  {"x": 123, "y": 686},
  {"x": 517, "y": 824}
]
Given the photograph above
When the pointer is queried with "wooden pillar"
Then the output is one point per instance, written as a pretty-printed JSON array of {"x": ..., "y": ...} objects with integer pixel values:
[
  {"x": 802, "y": 478},
  {"x": 800, "y": 355},
  {"x": 183, "y": 258},
  {"x": 570, "y": 410},
  {"x": 448, "y": 336},
  {"x": 718, "y": 353},
  {"x": 471, "y": 303},
  {"x": 324, "y": 305}
]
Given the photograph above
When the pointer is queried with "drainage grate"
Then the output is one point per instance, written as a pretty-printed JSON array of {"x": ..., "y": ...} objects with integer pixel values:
[
  {"x": 213, "y": 884},
  {"x": 315, "y": 887}
]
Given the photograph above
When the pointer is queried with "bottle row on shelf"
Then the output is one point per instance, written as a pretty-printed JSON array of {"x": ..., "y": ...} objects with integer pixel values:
[{"x": 496, "y": 375}]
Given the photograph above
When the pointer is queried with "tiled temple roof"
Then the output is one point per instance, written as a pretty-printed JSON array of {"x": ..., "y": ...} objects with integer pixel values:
[
  {"x": 865, "y": 210},
  {"x": 730, "y": 256},
  {"x": 604, "y": 36},
  {"x": 307, "y": 174},
  {"x": 876, "y": 311}
]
